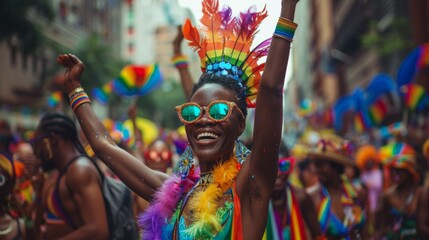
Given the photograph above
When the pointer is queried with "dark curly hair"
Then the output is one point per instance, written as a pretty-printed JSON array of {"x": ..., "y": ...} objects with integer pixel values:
[{"x": 226, "y": 82}]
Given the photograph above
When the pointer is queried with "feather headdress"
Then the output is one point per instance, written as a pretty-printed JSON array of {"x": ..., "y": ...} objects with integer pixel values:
[{"x": 223, "y": 44}]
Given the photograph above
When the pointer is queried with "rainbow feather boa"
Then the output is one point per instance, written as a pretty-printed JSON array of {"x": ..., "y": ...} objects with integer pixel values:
[{"x": 204, "y": 204}]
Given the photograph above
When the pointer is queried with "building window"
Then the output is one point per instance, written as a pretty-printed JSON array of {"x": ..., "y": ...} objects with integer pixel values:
[
  {"x": 130, "y": 30},
  {"x": 34, "y": 64},
  {"x": 24, "y": 61},
  {"x": 131, "y": 48},
  {"x": 13, "y": 52}
]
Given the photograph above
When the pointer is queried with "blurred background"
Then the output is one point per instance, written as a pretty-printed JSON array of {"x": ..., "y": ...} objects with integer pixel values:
[{"x": 345, "y": 64}]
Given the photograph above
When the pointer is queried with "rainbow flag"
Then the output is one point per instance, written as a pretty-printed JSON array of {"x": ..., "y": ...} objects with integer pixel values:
[
  {"x": 102, "y": 94},
  {"x": 414, "y": 96},
  {"x": 360, "y": 123},
  {"x": 378, "y": 111}
]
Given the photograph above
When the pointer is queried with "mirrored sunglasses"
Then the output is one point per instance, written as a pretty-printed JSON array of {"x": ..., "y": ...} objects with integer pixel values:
[{"x": 218, "y": 111}]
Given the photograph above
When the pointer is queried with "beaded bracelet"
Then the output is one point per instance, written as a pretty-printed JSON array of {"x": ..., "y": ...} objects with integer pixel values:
[
  {"x": 78, "y": 99},
  {"x": 180, "y": 61},
  {"x": 75, "y": 91},
  {"x": 285, "y": 29}
]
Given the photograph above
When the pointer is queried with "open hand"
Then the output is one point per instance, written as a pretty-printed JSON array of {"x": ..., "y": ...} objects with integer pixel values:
[{"x": 74, "y": 71}]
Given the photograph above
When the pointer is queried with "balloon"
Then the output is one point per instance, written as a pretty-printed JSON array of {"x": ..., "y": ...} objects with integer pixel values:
[
  {"x": 341, "y": 106},
  {"x": 413, "y": 62},
  {"x": 379, "y": 85}
]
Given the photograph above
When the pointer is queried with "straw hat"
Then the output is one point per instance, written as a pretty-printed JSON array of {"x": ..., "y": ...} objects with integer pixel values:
[{"x": 335, "y": 150}]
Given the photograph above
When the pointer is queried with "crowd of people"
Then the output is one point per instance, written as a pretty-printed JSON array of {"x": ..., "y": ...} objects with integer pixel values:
[{"x": 75, "y": 179}]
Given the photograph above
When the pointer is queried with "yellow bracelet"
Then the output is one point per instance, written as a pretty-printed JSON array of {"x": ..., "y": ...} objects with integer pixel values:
[{"x": 76, "y": 90}]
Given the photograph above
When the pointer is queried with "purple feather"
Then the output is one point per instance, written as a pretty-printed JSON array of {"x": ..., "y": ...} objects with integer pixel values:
[
  {"x": 165, "y": 201},
  {"x": 226, "y": 14}
]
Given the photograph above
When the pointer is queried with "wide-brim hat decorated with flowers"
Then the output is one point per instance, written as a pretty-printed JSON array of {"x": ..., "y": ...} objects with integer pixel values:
[{"x": 336, "y": 150}]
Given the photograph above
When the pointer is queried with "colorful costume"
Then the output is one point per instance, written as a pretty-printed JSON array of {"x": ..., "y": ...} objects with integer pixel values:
[
  {"x": 404, "y": 224},
  {"x": 211, "y": 206},
  {"x": 287, "y": 225},
  {"x": 186, "y": 189},
  {"x": 339, "y": 152},
  {"x": 330, "y": 223}
]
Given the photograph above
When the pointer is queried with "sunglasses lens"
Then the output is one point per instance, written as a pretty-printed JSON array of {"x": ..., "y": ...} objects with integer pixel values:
[
  {"x": 284, "y": 166},
  {"x": 219, "y": 110},
  {"x": 190, "y": 113}
]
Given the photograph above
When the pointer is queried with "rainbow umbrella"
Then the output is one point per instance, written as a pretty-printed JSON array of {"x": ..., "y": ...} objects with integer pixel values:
[
  {"x": 137, "y": 80},
  {"x": 55, "y": 98},
  {"x": 414, "y": 96},
  {"x": 415, "y": 61}
]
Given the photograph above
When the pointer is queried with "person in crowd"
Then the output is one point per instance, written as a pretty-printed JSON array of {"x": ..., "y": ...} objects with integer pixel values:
[
  {"x": 228, "y": 196},
  {"x": 397, "y": 217},
  {"x": 292, "y": 213},
  {"x": 11, "y": 226},
  {"x": 6, "y": 137},
  {"x": 74, "y": 205},
  {"x": 24, "y": 190},
  {"x": 340, "y": 211},
  {"x": 423, "y": 203},
  {"x": 368, "y": 161},
  {"x": 158, "y": 156},
  {"x": 308, "y": 177}
]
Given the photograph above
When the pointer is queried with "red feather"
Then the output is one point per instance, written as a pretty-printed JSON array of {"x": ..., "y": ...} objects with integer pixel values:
[{"x": 192, "y": 34}]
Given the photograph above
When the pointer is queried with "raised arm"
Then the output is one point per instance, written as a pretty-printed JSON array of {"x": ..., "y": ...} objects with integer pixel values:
[
  {"x": 181, "y": 66},
  {"x": 138, "y": 177},
  {"x": 256, "y": 179},
  {"x": 262, "y": 166}
]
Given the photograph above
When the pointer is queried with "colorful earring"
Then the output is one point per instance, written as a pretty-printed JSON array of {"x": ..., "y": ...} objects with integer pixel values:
[{"x": 186, "y": 163}]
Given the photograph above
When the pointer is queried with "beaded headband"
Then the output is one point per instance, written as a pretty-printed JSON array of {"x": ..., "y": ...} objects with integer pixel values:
[{"x": 223, "y": 44}]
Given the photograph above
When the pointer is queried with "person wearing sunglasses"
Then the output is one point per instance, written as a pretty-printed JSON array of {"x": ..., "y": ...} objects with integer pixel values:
[
  {"x": 292, "y": 214},
  {"x": 227, "y": 197}
]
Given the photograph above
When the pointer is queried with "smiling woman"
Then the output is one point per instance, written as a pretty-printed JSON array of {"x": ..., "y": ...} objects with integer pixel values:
[{"x": 231, "y": 189}]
